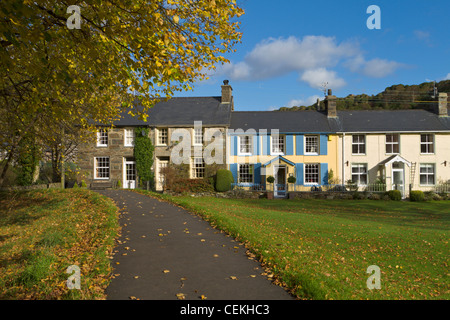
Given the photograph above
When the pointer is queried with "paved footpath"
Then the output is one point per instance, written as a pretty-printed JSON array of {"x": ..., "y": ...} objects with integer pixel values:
[{"x": 165, "y": 251}]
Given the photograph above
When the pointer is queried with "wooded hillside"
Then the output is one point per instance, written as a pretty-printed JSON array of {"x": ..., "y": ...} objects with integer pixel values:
[{"x": 394, "y": 97}]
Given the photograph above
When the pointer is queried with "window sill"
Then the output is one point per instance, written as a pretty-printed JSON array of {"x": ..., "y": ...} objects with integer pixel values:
[{"x": 102, "y": 145}]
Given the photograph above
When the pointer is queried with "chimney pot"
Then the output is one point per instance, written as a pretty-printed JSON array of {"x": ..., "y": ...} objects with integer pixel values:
[{"x": 330, "y": 92}]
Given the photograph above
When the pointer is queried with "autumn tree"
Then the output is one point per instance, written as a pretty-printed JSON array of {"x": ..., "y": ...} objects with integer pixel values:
[{"x": 53, "y": 72}]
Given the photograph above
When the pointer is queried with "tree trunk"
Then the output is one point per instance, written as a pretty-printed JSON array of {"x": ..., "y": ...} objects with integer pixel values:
[{"x": 6, "y": 166}]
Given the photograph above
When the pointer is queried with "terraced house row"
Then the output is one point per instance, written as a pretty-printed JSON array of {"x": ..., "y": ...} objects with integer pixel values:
[{"x": 322, "y": 149}]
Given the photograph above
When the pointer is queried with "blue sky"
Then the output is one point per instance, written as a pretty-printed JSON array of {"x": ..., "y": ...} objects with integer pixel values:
[{"x": 290, "y": 48}]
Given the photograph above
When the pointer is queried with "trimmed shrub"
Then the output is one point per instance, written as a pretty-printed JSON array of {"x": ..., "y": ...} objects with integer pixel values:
[
  {"x": 416, "y": 195},
  {"x": 395, "y": 195},
  {"x": 191, "y": 186},
  {"x": 224, "y": 179}
]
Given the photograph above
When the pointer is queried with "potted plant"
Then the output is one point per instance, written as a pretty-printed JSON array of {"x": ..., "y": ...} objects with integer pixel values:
[
  {"x": 270, "y": 179},
  {"x": 291, "y": 179}
]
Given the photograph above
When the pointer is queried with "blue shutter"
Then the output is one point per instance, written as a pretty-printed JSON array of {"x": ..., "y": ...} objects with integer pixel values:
[
  {"x": 323, "y": 144},
  {"x": 324, "y": 173},
  {"x": 289, "y": 145},
  {"x": 265, "y": 145},
  {"x": 299, "y": 173},
  {"x": 255, "y": 142},
  {"x": 234, "y": 145},
  {"x": 234, "y": 171},
  {"x": 299, "y": 144},
  {"x": 257, "y": 173}
]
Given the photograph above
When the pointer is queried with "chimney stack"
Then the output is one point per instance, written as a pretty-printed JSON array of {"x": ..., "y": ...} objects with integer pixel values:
[
  {"x": 318, "y": 104},
  {"x": 226, "y": 92},
  {"x": 442, "y": 104},
  {"x": 330, "y": 105}
]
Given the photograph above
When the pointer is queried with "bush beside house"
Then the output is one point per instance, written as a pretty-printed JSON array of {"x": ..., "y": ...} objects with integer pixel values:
[
  {"x": 224, "y": 179},
  {"x": 416, "y": 195}
]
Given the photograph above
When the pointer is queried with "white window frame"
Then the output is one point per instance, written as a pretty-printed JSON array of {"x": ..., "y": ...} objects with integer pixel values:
[
  {"x": 358, "y": 143},
  {"x": 195, "y": 168},
  {"x": 427, "y": 174},
  {"x": 159, "y": 135},
  {"x": 96, "y": 160},
  {"x": 359, "y": 174},
  {"x": 272, "y": 144},
  {"x": 306, "y": 144},
  {"x": 128, "y": 138},
  {"x": 250, "y": 145},
  {"x": 428, "y": 143},
  {"x": 196, "y": 136},
  {"x": 250, "y": 172},
  {"x": 305, "y": 173},
  {"x": 102, "y": 134},
  {"x": 391, "y": 144}
]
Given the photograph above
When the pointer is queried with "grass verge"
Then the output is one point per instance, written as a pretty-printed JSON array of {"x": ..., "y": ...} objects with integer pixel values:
[
  {"x": 43, "y": 232},
  {"x": 321, "y": 249}
]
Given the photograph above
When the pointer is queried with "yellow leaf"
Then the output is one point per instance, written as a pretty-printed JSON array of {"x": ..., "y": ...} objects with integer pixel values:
[
  {"x": 181, "y": 296},
  {"x": 176, "y": 19}
]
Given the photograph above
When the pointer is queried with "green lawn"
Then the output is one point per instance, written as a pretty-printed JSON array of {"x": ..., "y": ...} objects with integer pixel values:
[
  {"x": 43, "y": 232},
  {"x": 321, "y": 249}
]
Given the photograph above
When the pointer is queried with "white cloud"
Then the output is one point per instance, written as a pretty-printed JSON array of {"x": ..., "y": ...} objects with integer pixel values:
[
  {"x": 375, "y": 68},
  {"x": 275, "y": 57},
  {"x": 447, "y": 77},
  {"x": 303, "y": 102},
  {"x": 311, "y": 57},
  {"x": 379, "y": 68},
  {"x": 422, "y": 35},
  {"x": 316, "y": 78}
]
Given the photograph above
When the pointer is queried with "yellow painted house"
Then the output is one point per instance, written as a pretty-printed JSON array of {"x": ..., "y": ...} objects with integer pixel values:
[{"x": 302, "y": 144}]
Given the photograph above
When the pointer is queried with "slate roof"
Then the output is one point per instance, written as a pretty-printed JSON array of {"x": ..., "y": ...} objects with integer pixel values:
[
  {"x": 308, "y": 121},
  {"x": 182, "y": 111},
  {"x": 311, "y": 121},
  {"x": 392, "y": 121}
]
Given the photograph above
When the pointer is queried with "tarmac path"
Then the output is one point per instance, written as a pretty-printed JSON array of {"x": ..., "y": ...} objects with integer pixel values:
[{"x": 165, "y": 253}]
